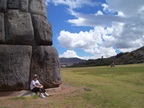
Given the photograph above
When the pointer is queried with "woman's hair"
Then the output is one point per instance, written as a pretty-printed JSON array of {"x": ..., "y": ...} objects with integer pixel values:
[{"x": 35, "y": 76}]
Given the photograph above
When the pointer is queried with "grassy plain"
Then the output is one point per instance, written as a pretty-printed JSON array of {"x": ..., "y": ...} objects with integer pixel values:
[{"x": 102, "y": 87}]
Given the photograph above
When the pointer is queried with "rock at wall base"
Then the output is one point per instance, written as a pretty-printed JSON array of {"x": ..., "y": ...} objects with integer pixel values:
[
  {"x": 45, "y": 63},
  {"x": 14, "y": 67}
]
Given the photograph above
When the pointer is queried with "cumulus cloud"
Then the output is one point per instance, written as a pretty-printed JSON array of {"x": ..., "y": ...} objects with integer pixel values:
[
  {"x": 95, "y": 19},
  {"x": 120, "y": 25},
  {"x": 128, "y": 7},
  {"x": 90, "y": 41},
  {"x": 72, "y": 54},
  {"x": 83, "y": 39},
  {"x": 99, "y": 13},
  {"x": 69, "y": 54},
  {"x": 128, "y": 23},
  {"x": 72, "y": 4}
]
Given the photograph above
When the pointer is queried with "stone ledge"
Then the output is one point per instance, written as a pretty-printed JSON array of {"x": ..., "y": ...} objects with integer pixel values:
[{"x": 26, "y": 93}]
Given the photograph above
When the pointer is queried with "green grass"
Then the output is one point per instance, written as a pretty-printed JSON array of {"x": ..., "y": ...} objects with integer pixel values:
[
  {"x": 102, "y": 87},
  {"x": 17, "y": 98},
  {"x": 118, "y": 87},
  {"x": 4, "y": 107}
]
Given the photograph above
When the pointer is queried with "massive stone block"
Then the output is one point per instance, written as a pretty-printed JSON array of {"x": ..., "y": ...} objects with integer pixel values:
[
  {"x": 19, "y": 29},
  {"x": 2, "y": 30},
  {"x": 38, "y": 7},
  {"x": 3, "y": 5},
  {"x": 45, "y": 63},
  {"x": 24, "y": 29},
  {"x": 13, "y": 4},
  {"x": 42, "y": 29},
  {"x": 14, "y": 67},
  {"x": 24, "y": 5}
]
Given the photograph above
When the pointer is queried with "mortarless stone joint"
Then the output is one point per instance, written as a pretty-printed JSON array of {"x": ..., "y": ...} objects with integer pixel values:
[{"x": 26, "y": 45}]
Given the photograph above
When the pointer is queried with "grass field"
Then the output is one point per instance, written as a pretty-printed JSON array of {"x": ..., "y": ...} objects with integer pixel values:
[{"x": 103, "y": 87}]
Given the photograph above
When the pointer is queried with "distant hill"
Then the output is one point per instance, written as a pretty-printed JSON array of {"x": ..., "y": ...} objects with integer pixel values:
[
  {"x": 134, "y": 57},
  {"x": 70, "y": 61}
]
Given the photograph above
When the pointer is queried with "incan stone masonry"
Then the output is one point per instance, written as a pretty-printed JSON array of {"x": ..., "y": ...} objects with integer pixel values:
[{"x": 26, "y": 45}]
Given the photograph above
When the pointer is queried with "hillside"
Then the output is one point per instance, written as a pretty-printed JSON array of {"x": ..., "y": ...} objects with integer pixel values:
[
  {"x": 134, "y": 57},
  {"x": 70, "y": 61}
]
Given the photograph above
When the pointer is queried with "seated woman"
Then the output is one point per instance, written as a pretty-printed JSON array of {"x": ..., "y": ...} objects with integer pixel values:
[{"x": 36, "y": 86}]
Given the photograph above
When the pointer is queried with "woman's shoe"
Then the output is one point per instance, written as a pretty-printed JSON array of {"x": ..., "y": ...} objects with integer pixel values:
[
  {"x": 42, "y": 96},
  {"x": 46, "y": 94}
]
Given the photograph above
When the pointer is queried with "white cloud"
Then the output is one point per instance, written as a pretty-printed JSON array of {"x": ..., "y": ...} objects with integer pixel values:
[
  {"x": 105, "y": 6},
  {"x": 128, "y": 7},
  {"x": 90, "y": 42},
  {"x": 121, "y": 14},
  {"x": 128, "y": 24},
  {"x": 72, "y": 4},
  {"x": 99, "y": 13},
  {"x": 72, "y": 54},
  {"x": 119, "y": 25},
  {"x": 69, "y": 54},
  {"x": 97, "y": 53},
  {"x": 82, "y": 39},
  {"x": 95, "y": 19}
]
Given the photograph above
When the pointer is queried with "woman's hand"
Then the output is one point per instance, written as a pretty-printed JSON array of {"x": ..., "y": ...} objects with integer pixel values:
[
  {"x": 41, "y": 86},
  {"x": 38, "y": 86}
]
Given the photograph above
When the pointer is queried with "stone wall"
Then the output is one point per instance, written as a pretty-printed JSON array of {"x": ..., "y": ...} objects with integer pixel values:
[{"x": 26, "y": 45}]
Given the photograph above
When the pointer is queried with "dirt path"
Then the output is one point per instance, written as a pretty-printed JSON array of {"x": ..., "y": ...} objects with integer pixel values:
[{"x": 63, "y": 89}]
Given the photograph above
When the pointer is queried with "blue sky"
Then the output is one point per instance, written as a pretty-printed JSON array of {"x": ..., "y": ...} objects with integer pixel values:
[{"x": 90, "y": 29}]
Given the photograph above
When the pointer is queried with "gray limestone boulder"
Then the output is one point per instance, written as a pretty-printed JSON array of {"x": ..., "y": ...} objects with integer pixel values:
[
  {"x": 14, "y": 67},
  {"x": 42, "y": 30},
  {"x": 24, "y": 5},
  {"x": 2, "y": 30},
  {"x": 45, "y": 63},
  {"x": 37, "y": 7},
  {"x": 13, "y": 4},
  {"x": 19, "y": 29},
  {"x": 3, "y": 5}
]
